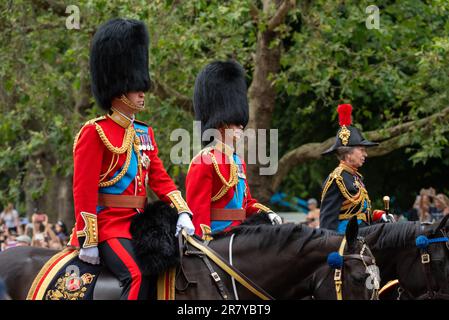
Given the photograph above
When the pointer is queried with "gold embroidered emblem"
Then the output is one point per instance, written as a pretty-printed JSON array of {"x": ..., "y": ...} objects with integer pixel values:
[
  {"x": 70, "y": 287},
  {"x": 206, "y": 230},
  {"x": 344, "y": 135}
]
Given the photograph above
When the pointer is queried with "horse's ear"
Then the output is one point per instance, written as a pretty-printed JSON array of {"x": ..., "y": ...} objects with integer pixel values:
[
  {"x": 352, "y": 230},
  {"x": 443, "y": 223}
]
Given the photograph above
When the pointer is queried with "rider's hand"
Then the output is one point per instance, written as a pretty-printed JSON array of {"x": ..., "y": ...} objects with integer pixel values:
[
  {"x": 89, "y": 255},
  {"x": 184, "y": 222},
  {"x": 274, "y": 218},
  {"x": 382, "y": 216}
]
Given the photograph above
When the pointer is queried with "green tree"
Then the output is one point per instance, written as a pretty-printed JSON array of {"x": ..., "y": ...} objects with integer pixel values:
[{"x": 302, "y": 59}]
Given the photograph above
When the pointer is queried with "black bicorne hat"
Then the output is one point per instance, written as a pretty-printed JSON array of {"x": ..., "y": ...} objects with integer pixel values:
[
  {"x": 220, "y": 95},
  {"x": 119, "y": 60},
  {"x": 347, "y": 135}
]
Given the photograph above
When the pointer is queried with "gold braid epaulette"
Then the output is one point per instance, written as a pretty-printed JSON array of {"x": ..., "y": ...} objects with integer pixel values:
[
  {"x": 337, "y": 177},
  {"x": 92, "y": 121},
  {"x": 227, "y": 184},
  {"x": 130, "y": 142},
  {"x": 334, "y": 175}
]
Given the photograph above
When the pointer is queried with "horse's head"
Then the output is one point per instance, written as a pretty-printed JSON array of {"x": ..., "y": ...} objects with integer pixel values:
[
  {"x": 428, "y": 275},
  {"x": 351, "y": 272}
]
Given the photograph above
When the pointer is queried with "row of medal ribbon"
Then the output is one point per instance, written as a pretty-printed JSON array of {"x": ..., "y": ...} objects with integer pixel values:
[{"x": 145, "y": 142}]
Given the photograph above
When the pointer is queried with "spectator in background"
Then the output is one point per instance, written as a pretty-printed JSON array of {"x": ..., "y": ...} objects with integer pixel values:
[
  {"x": 441, "y": 206},
  {"x": 23, "y": 241},
  {"x": 2, "y": 240},
  {"x": 10, "y": 217},
  {"x": 424, "y": 206},
  {"x": 313, "y": 217},
  {"x": 11, "y": 239},
  {"x": 61, "y": 232},
  {"x": 43, "y": 235}
]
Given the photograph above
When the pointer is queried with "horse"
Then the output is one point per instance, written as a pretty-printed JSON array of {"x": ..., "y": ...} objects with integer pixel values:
[
  {"x": 422, "y": 270},
  {"x": 288, "y": 261}
]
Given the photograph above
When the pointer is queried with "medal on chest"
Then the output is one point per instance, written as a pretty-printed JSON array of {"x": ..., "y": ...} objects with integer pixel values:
[
  {"x": 145, "y": 160},
  {"x": 145, "y": 142},
  {"x": 240, "y": 172}
]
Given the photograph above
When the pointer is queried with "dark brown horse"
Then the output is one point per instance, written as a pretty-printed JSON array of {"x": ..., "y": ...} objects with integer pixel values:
[
  {"x": 288, "y": 261},
  {"x": 398, "y": 257}
]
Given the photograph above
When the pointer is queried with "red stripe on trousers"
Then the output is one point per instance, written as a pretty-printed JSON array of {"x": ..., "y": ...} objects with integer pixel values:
[
  {"x": 133, "y": 268},
  {"x": 167, "y": 285}
]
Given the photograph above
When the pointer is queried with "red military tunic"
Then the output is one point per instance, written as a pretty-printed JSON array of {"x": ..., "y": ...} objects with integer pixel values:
[
  {"x": 101, "y": 165},
  {"x": 217, "y": 180}
]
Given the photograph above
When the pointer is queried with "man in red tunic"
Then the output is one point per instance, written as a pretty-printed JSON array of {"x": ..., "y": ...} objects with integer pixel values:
[
  {"x": 116, "y": 157},
  {"x": 216, "y": 186}
]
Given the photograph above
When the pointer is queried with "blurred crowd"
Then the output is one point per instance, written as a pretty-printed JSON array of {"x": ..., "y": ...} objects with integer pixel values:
[
  {"x": 36, "y": 231},
  {"x": 429, "y": 206}
]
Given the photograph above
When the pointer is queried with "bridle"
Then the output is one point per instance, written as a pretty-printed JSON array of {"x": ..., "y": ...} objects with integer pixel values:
[
  {"x": 336, "y": 262},
  {"x": 433, "y": 293}
]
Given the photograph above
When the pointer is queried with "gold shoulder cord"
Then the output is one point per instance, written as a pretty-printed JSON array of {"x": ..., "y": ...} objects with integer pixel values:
[
  {"x": 334, "y": 175},
  {"x": 227, "y": 184},
  {"x": 85, "y": 124},
  {"x": 130, "y": 142},
  {"x": 233, "y": 178}
]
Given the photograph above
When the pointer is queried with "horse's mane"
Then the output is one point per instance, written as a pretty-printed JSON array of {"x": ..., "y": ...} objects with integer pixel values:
[
  {"x": 267, "y": 235},
  {"x": 391, "y": 235}
]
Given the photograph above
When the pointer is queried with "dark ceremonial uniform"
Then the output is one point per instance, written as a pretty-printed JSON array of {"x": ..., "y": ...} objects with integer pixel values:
[
  {"x": 217, "y": 190},
  {"x": 115, "y": 157},
  {"x": 344, "y": 196}
]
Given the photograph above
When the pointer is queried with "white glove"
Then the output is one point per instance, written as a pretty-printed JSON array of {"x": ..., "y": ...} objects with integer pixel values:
[
  {"x": 274, "y": 218},
  {"x": 184, "y": 222},
  {"x": 90, "y": 255}
]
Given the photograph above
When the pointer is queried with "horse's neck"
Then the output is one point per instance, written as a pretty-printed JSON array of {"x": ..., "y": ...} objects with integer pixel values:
[
  {"x": 390, "y": 256},
  {"x": 268, "y": 266}
]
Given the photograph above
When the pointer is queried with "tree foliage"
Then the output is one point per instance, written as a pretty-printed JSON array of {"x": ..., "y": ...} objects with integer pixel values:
[{"x": 393, "y": 75}]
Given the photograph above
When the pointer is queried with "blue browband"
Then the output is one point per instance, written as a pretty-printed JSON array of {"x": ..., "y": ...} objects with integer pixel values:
[{"x": 423, "y": 242}]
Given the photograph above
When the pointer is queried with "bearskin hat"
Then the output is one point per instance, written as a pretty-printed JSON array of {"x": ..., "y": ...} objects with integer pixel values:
[
  {"x": 119, "y": 60},
  {"x": 220, "y": 95}
]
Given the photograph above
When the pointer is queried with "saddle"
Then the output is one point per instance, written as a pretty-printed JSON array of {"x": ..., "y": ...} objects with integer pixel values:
[{"x": 66, "y": 277}]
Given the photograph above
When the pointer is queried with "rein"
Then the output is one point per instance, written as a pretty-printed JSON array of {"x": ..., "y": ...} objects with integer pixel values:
[
  {"x": 226, "y": 267},
  {"x": 422, "y": 242}
]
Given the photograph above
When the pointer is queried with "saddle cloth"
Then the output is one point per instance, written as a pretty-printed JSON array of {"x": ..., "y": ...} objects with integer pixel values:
[{"x": 65, "y": 277}]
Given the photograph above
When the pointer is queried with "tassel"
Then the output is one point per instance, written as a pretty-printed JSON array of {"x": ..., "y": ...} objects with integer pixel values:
[{"x": 344, "y": 114}]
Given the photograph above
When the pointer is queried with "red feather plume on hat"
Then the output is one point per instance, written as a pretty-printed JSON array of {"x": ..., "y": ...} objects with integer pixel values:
[{"x": 344, "y": 114}]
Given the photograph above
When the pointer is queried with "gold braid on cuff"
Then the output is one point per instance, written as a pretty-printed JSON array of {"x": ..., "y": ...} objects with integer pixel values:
[
  {"x": 262, "y": 208},
  {"x": 178, "y": 201},
  {"x": 90, "y": 231}
]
